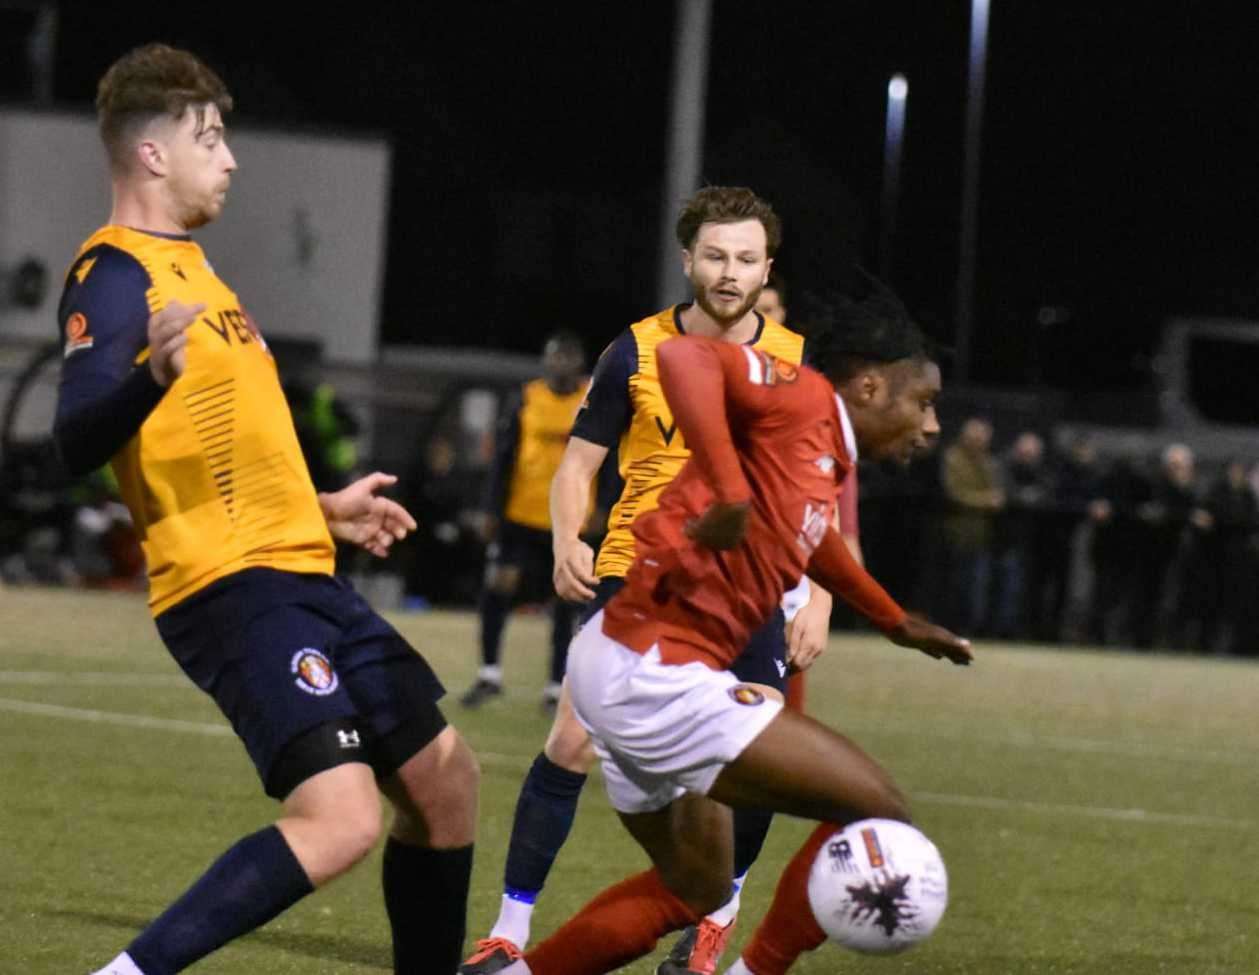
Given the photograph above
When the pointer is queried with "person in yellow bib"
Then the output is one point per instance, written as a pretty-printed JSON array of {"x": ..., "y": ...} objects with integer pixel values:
[
  {"x": 168, "y": 378},
  {"x": 532, "y": 433}
]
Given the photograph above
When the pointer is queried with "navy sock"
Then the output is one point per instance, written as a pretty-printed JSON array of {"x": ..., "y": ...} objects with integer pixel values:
[
  {"x": 244, "y": 889},
  {"x": 426, "y": 896},
  {"x": 563, "y": 616},
  {"x": 495, "y": 608},
  {"x": 751, "y": 826},
  {"x": 544, "y": 815}
]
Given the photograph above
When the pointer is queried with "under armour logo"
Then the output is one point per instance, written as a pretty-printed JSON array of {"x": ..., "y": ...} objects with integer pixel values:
[{"x": 349, "y": 739}]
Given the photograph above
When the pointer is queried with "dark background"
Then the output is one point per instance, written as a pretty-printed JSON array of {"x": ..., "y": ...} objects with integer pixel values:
[{"x": 1117, "y": 174}]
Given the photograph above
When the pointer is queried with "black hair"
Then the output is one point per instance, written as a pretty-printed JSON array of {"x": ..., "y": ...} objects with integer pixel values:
[
  {"x": 568, "y": 340},
  {"x": 846, "y": 333},
  {"x": 778, "y": 283}
]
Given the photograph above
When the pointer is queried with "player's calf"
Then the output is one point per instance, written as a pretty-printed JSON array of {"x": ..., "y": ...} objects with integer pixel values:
[
  {"x": 690, "y": 842},
  {"x": 427, "y": 863}
]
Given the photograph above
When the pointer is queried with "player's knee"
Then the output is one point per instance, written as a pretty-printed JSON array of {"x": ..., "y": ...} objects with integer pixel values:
[
  {"x": 459, "y": 787},
  {"x": 699, "y": 886},
  {"x": 331, "y": 834},
  {"x": 437, "y": 802},
  {"x": 354, "y": 831},
  {"x": 568, "y": 745},
  {"x": 892, "y": 803},
  {"x": 503, "y": 580}
]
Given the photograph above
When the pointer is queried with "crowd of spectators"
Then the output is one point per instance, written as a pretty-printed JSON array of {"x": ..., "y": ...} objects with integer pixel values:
[{"x": 1063, "y": 545}]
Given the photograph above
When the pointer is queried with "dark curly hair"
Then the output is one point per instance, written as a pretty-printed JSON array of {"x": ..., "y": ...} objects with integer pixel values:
[{"x": 846, "y": 333}]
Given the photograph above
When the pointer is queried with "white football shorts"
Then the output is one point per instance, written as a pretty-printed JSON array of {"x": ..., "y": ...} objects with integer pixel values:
[{"x": 660, "y": 730}]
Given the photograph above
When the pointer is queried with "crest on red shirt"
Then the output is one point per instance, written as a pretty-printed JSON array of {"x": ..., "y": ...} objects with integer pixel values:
[{"x": 780, "y": 371}]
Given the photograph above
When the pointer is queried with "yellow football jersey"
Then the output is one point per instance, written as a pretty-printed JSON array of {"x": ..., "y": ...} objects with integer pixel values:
[
  {"x": 545, "y": 420},
  {"x": 626, "y": 409},
  {"x": 214, "y": 478}
]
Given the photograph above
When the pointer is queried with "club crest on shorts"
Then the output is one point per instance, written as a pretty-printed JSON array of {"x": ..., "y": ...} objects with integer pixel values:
[
  {"x": 749, "y": 696},
  {"x": 314, "y": 672}
]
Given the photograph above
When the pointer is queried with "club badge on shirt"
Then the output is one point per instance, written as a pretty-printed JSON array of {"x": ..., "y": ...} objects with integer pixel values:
[{"x": 77, "y": 336}]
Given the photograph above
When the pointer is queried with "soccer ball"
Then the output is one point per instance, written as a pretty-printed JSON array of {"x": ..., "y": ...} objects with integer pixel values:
[{"x": 878, "y": 886}]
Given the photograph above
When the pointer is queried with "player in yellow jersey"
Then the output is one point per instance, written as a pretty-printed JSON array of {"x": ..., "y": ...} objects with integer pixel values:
[
  {"x": 168, "y": 377},
  {"x": 529, "y": 442},
  {"x": 728, "y": 237}
]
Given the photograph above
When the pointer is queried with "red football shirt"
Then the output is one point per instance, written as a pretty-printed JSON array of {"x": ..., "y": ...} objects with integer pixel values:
[{"x": 761, "y": 431}]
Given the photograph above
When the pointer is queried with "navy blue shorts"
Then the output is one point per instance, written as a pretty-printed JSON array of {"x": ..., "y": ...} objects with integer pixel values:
[
  {"x": 282, "y": 653},
  {"x": 763, "y": 660}
]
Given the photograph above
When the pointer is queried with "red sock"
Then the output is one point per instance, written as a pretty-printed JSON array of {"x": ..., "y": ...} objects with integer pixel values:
[
  {"x": 788, "y": 930},
  {"x": 795, "y": 692},
  {"x": 621, "y": 924}
]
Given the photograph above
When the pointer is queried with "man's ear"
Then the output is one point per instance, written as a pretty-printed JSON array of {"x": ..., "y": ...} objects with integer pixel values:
[
  {"x": 152, "y": 156},
  {"x": 871, "y": 385}
]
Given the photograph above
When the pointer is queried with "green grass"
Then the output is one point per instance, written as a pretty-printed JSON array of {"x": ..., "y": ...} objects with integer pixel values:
[{"x": 1096, "y": 810}]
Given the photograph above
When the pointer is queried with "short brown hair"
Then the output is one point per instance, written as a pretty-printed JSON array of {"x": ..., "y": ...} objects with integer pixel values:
[
  {"x": 727, "y": 204},
  {"x": 150, "y": 82}
]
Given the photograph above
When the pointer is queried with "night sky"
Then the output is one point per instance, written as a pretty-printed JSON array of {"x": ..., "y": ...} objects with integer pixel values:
[{"x": 1117, "y": 173}]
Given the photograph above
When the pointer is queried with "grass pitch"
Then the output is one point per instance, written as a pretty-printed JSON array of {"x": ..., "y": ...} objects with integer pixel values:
[{"x": 1096, "y": 810}]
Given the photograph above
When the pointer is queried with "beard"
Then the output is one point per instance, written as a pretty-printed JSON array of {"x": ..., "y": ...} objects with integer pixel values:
[
  {"x": 724, "y": 318},
  {"x": 198, "y": 215},
  {"x": 195, "y": 208}
]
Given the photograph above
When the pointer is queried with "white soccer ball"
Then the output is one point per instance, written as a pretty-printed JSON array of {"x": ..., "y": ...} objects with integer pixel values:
[{"x": 878, "y": 886}]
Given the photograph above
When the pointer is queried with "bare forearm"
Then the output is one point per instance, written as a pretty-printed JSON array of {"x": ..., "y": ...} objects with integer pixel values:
[
  {"x": 570, "y": 501},
  {"x": 834, "y": 567}
]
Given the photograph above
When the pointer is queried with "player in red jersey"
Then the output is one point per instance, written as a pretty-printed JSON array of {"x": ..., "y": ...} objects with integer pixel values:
[
  {"x": 679, "y": 737},
  {"x": 805, "y": 643}
]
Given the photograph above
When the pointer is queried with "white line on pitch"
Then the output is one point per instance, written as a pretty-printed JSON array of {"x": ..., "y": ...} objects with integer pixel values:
[
  {"x": 51, "y": 678},
  {"x": 206, "y": 728},
  {"x": 1095, "y": 812},
  {"x": 521, "y": 761},
  {"x": 113, "y": 717},
  {"x": 1239, "y": 758}
]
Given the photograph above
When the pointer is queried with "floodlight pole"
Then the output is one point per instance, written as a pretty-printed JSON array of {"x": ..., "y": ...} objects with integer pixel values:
[
  {"x": 967, "y": 256},
  {"x": 893, "y": 138},
  {"x": 685, "y": 138}
]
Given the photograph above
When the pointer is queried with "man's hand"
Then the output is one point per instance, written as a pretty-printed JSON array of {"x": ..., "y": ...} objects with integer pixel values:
[
  {"x": 721, "y": 527},
  {"x": 934, "y": 641},
  {"x": 809, "y": 632},
  {"x": 574, "y": 573},
  {"x": 168, "y": 337},
  {"x": 358, "y": 515}
]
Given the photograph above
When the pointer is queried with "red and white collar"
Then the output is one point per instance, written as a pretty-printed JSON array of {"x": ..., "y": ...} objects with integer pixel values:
[{"x": 850, "y": 437}]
